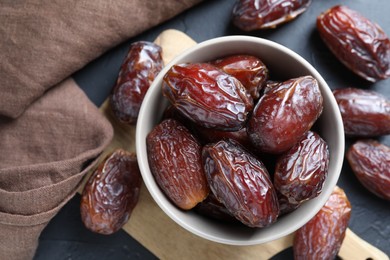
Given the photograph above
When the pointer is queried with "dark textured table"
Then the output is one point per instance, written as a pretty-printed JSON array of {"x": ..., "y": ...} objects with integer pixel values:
[{"x": 66, "y": 238}]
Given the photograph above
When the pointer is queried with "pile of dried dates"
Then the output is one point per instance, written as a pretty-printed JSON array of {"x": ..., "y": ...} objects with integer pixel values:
[
  {"x": 236, "y": 145},
  {"x": 364, "y": 48}
]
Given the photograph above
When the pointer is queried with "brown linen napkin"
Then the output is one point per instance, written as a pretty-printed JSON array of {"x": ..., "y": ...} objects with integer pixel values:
[
  {"x": 44, "y": 41},
  {"x": 50, "y": 133}
]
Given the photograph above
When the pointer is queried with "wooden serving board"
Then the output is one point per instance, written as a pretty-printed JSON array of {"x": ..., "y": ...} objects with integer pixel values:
[{"x": 150, "y": 226}]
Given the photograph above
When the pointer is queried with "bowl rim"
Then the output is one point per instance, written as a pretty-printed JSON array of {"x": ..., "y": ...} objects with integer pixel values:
[{"x": 143, "y": 158}]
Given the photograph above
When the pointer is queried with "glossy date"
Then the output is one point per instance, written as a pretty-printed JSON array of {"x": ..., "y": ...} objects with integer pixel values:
[
  {"x": 370, "y": 161},
  {"x": 241, "y": 182},
  {"x": 249, "y": 15},
  {"x": 365, "y": 113},
  {"x": 111, "y": 193},
  {"x": 207, "y": 96},
  {"x": 175, "y": 161},
  {"x": 301, "y": 171},
  {"x": 284, "y": 114},
  {"x": 142, "y": 64},
  {"x": 358, "y": 43},
  {"x": 322, "y": 236}
]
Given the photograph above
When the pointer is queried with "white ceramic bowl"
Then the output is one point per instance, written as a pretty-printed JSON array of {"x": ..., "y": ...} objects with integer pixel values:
[{"x": 282, "y": 62}]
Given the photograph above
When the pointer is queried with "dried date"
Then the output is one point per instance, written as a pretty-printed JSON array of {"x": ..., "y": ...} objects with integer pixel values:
[
  {"x": 284, "y": 114},
  {"x": 111, "y": 193},
  {"x": 241, "y": 182},
  {"x": 142, "y": 64},
  {"x": 322, "y": 236},
  {"x": 249, "y": 15},
  {"x": 175, "y": 161},
  {"x": 249, "y": 70},
  {"x": 358, "y": 43},
  {"x": 208, "y": 96},
  {"x": 365, "y": 113},
  {"x": 301, "y": 171},
  {"x": 370, "y": 161}
]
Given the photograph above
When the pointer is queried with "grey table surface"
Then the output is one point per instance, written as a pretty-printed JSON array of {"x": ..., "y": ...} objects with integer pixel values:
[{"x": 66, "y": 238}]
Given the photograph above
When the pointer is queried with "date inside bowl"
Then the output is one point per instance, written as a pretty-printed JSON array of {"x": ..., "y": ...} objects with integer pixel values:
[{"x": 283, "y": 65}]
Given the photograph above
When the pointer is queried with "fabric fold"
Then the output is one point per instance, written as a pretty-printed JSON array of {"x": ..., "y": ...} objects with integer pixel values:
[{"x": 46, "y": 153}]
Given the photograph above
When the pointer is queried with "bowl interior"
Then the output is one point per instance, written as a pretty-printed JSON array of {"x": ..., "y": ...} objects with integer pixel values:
[{"x": 283, "y": 64}]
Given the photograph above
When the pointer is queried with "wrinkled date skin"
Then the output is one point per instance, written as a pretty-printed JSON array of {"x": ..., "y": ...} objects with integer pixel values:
[
  {"x": 365, "y": 113},
  {"x": 208, "y": 96},
  {"x": 358, "y": 43},
  {"x": 300, "y": 172},
  {"x": 249, "y": 15},
  {"x": 249, "y": 70},
  {"x": 175, "y": 161},
  {"x": 141, "y": 66},
  {"x": 241, "y": 182},
  {"x": 322, "y": 236},
  {"x": 111, "y": 193},
  {"x": 284, "y": 114},
  {"x": 370, "y": 161}
]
